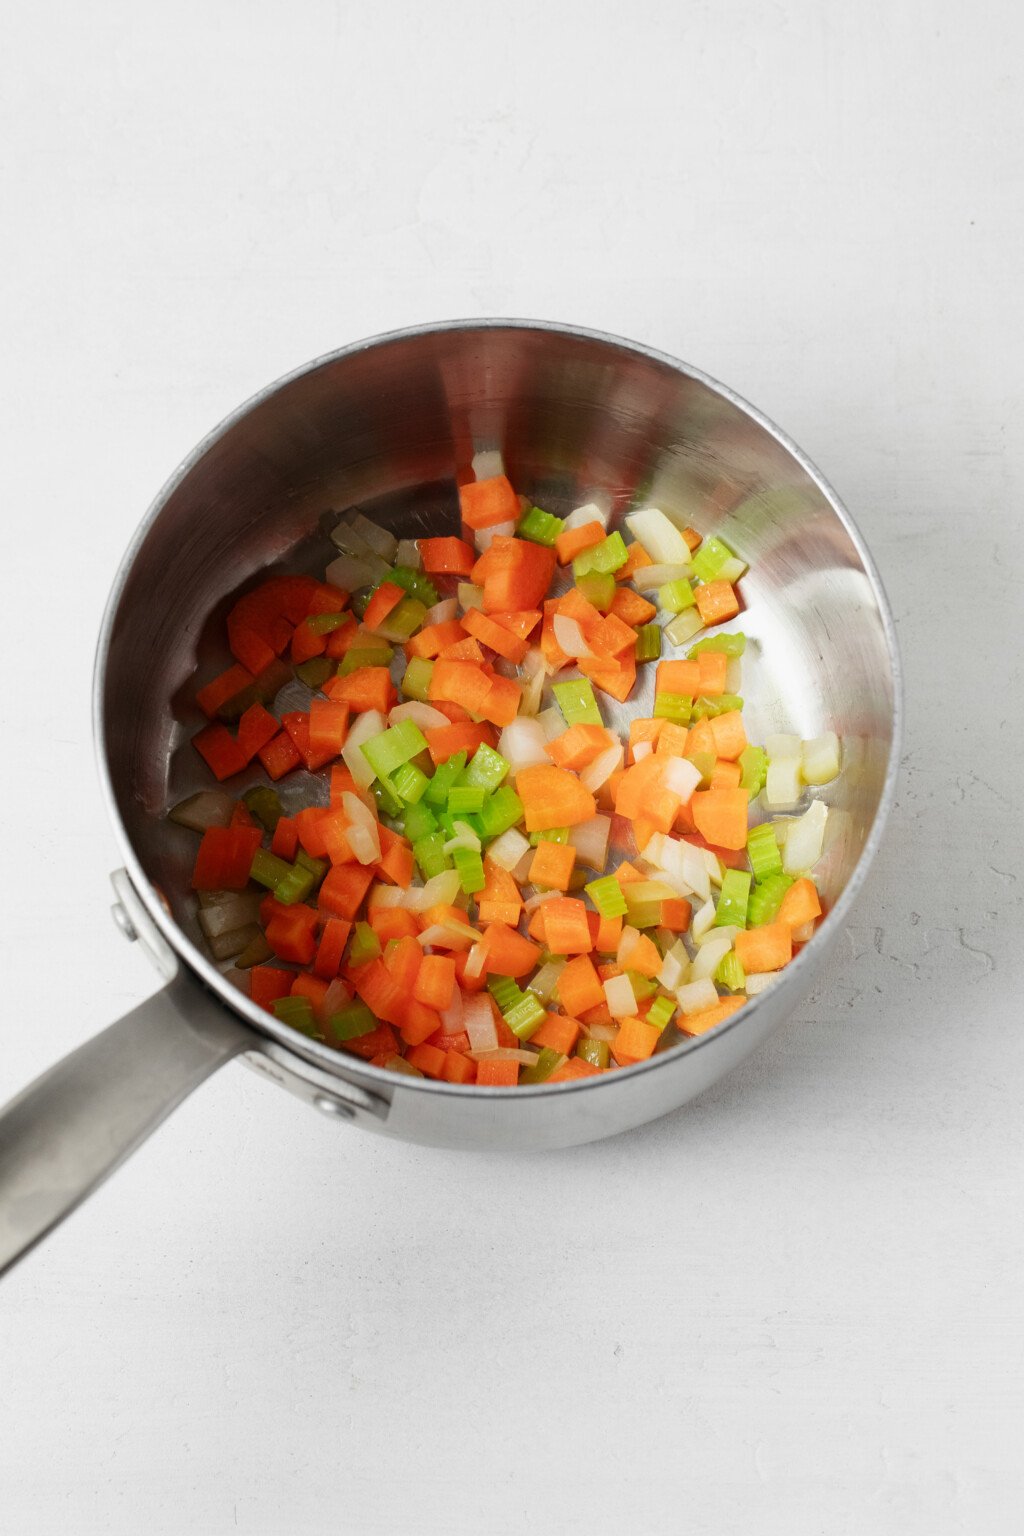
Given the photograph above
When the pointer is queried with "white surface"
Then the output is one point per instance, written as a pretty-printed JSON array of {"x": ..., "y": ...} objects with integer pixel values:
[{"x": 795, "y": 1307}]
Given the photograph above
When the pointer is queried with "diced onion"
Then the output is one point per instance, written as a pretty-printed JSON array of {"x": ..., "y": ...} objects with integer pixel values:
[
  {"x": 226, "y": 945},
  {"x": 448, "y": 936},
  {"x": 713, "y": 865},
  {"x": 674, "y": 966},
  {"x": 601, "y": 769},
  {"x": 710, "y": 956},
  {"x": 488, "y": 462},
  {"x": 551, "y": 722},
  {"x": 451, "y": 1017},
  {"x": 408, "y": 554},
  {"x": 379, "y": 539},
  {"x": 505, "y": 1053},
  {"x": 546, "y": 980},
  {"x": 782, "y": 786},
  {"x": 350, "y": 572},
  {"x": 590, "y": 512},
  {"x": 522, "y": 743},
  {"x": 399, "y": 1064},
  {"x": 819, "y": 759},
  {"x": 508, "y": 849},
  {"x": 337, "y": 996},
  {"x": 371, "y": 723},
  {"x": 627, "y": 939},
  {"x": 662, "y": 540},
  {"x": 702, "y": 919},
  {"x": 641, "y": 750},
  {"x": 470, "y": 596},
  {"x": 210, "y": 808},
  {"x": 533, "y": 688},
  {"x": 681, "y": 777},
  {"x": 590, "y": 839},
  {"x": 478, "y": 1022},
  {"x": 726, "y": 931},
  {"x": 238, "y": 909},
  {"x": 606, "y": 1032},
  {"x": 538, "y": 899},
  {"x": 761, "y": 982},
  {"x": 423, "y": 715},
  {"x": 475, "y": 961},
  {"x": 441, "y": 612},
  {"x": 804, "y": 839},
  {"x": 569, "y": 636},
  {"x": 440, "y": 891},
  {"x": 483, "y": 538},
  {"x": 647, "y": 578},
  {"x": 620, "y": 997},
  {"x": 362, "y": 833},
  {"x": 697, "y": 995}
]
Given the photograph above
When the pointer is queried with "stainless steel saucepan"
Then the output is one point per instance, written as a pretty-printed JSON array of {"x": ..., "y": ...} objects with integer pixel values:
[{"x": 382, "y": 424}]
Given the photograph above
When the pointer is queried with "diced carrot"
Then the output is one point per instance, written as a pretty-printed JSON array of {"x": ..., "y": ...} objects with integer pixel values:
[
  {"x": 636, "y": 558},
  {"x": 716, "y": 602},
  {"x": 435, "y": 982},
  {"x": 641, "y": 792},
  {"x": 672, "y": 741},
  {"x": 700, "y": 1023},
  {"x": 552, "y": 652},
  {"x": 343, "y": 889},
  {"x": 558, "y": 1033},
  {"x": 445, "y": 740},
  {"x": 285, "y": 841},
  {"x": 571, "y": 544},
  {"x": 552, "y": 865},
  {"x": 290, "y": 933},
  {"x": 573, "y": 1068},
  {"x": 644, "y": 730},
  {"x": 579, "y": 987},
  {"x": 516, "y": 576},
  {"x": 313, "y": 987},
  {"x": 331, "y": 831},
  {"x": 631, "y": 608},
  {"x": 249, "y": 648},
  {"x": 578, "y": 746},
  {"x": 427, "y": 1059},
  {"x": 224, "y": 858},
  {"x": 713, "y": 666},
  {"x": 392, "y": 923},
  {"x": 675, "y": 914},
  {"x": 521, "y": 624},
  {"x": 432, "y": 640},
  {"x": 725, "y": 775},
  {"x": 635, "y": 1041},
  {"x": 220, "y": 751},
  {"x": 223, "y": 687},
  {"x": 553, "y": 797},
  {"x": 384, "y": 600},
  {"x": 535, "y": 927},
  {"x": 341, "y": 640},
  {"x": 379, "y": 991},
  {"x": 499, "y": 1073},
  {"x": 366, "y": 688},
  {"x": 306, "y": 642},
  {"x": 642, "y": 956},
  {"x": 331, "y": 947},
  {"x": 728, "y": 734},
  {"x": 500, "y": 900},
  {"x": 507, "y": 953},
  {"x": 720, "y": 815},
  {"x": 565, "y": 926},
  {"x": 466, "y": 683},
  {"x": 256, "y": 728},
  {"x": 610, "y": 636},
  {"x": 380, "y": 1043},
  {"x": 267, "y": 983},
  {"x": 466, "y": 649},
  {"x": 678, "y": 677},
  {"x": 767, "y": 948},
  {"x": 328, "y": 727},
  {"x": 488, "y": 632},
  {"x": 699, "y": 739},
  {"x": 606, "y": 934},
  {"x": 800, "y": 904},
  {"x": 628, "y": 874},
  {"x": 693, "y": 539},
  {"x": 458, "y": 1068},
  {"x": 616, "y": 681},
  {"x": 396, "y": 861},
  {"x": 403, "y": 959},
  {"x": 486, "y": 503},
  {"x": 326, "y": 598},
  {"x": 446, "y": 556}
]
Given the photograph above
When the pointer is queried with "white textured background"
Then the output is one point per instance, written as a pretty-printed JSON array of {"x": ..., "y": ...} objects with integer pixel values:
[{"x": 795, "y": 1307}]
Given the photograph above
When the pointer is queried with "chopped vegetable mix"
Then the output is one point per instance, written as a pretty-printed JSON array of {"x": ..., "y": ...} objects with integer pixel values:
[{"x": 441, "y": 888}]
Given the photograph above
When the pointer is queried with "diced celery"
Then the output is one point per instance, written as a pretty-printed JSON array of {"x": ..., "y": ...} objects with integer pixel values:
[
  {"x": 606, "y": 558},
  {"x": 576, "y": 701},
  {"x": 526, "y": 1017},
  {"x": 661, "y": 1011},
  {"x": 704, "y": 762},
  {"x": 549, "y": 835},
  {"x": 315, "y": 672},
  {"x": 598, "y": 588},
  {"x": 351, "y": 1022},
  {"x": 365, "y": 656},
  {"x": 504, "y": 990},
  {"x": 470, "y": 868},
  {"x": 753, "y": 763},
  {"x": 607, "y": 896},
  {"x": 763, "y": 851},
  {"x": 265, "y": 804},
  {"x": 643, "y": 986},
  {"x": 501, "y": 811},
  {"x": 548, "y": 1061},
  {"x": 392, "y": 748},
  {"x": 705, "y": 708},
  {"x": 327, "y": 623},
  {"x": 404, "y": 620},
  {"x": 415, "y": 583},
  {"x": 642, "y": 913},
  {"x": 766, "y": 898},
  {"x": 297, "y": 1012},
  {"x": 732, "y": 903},
  {"x": 675, "y": 596},
  {"x": 487, "y": 769},
  {"x": 466, "y": 797},
  {"x": 710, "y": 558},
  {"x": 544, "y": 982},
  {"x": 729, "y": 644},
  {"x": 365, "y": 945},
  {"x": 648, "y": 643},
  {"x": 594, "y": 1051},
  {"x": 267, "y": 869},
  {"x": 416, "y": 682},
  {"x": 420, "y": 821},
  {"x": 673, "y": 706},
  {"x": 730, "y": 972},
  {"x": 684, "y": 626},
  {"x": 295, "y": 886},
  {"x": 430, "y": 856},
  {"x": 539, "y": 527},
  {"x": 316, "y": 867},
  {"x": 388, "y": 803},
  {"x": 409, "y": 783}
]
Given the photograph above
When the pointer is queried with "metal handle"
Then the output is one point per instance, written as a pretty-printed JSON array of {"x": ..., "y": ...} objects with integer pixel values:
[{"x": 76, "y": 1123}]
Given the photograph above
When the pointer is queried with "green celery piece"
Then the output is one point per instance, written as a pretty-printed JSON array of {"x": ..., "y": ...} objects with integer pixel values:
[
  {"x": 643, "y": 986},
  {"x": 606, "y": 558},
  {"x": 444, "y": 778},
  {"x": 315, "y": 867},
  {"x": 733, "y": 644},
  {"x": 387, "y": 801},
  {"x": 256, "y": 952},
  {"x": 315, "y": 672},
  {"x": 487, "y": 769},
  {"x": 409, "y": 783},
  {"x": 429, "y": 854},
  {"x": 265, "y": 804},
  {"x": 295, "y": 886},
  {"x": 710, "y": 558},
  {"x": 502, "y": 810},
  {"x": 365, "y": 656},
  {"x": 730, "y": 972},
  {"x": 539, "y": 527},
  {"x": 392, "y": 748},
  {"x": 708, "y": 709},
  {"x": 576, "y": 701},
  {"x": 327, "y": 623},
  {"x": 676, "y": 595},
  {"x": 466, "y": 797},
  {"x": 763, "y": 851},
  {"x": 765, "y": 900},
  {"x": 420, "y": 821},
  {"x": 598, "y": 588},
  {"x": 365, "y": 945},
  {"x": 642, "y": 914},
  {"x": 351, "y": 1022},
  {"x": 705, "y": 763},
  {"x": 416, "y": 682},
  {"x": 526, "y": 1017},
  {"x": 505, "y": 991},
  {"x": 732, "y": 903},
  {"x": 673, "y": 706},
  {"x": 297, "y": 1013},
  {"x": 548, "y": 1061},
  {"x": 470, "y": 869},
  {"x": 660, "y": 1012},
  {"x": 549, "y": 835},
  {"x": 415, "y": 583},
  {"x": 267, "y": 869},
  {"x": 594, "y": 1051},
  {"x": 606, "y": 894},
  {"x": 648, "y": 643},
  {"x": 754, "y": 768},
  {"x": 404, "y": 619}
]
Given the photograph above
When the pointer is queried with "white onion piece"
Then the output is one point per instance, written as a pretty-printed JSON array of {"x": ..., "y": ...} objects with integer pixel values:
[
  {"x": 804, "y": 839},
  {"x": 210, "y": 808},
  {"x": 641, "y": 750},
  {"x": 507, "y": 850},
  {"x": 734, "y": 675},
  {"x": 522, "y": 743},
  {"x": 236, "y": 910},
  {"x": 674, "y": 967},
  {"x": 488, "y": 462},
  {"x": 713, "y": 866},
  {"x": 620, "y": 997},
  {"x": 451, "y": 1017},
  {"x": 478, "y": 1022},
  {"x": 606, "y": 1032},
  {"x": 681, "y": 777},
  {"x": 440, "y": 890},
  {"x": 727, "y": 931},
  {"x": 362, "y": 833},
  {"x": 649, "y": 577},
  {"x": 366, "y": 725},
  {"x": 441, "y": 612},
  {"x": 590, "y": 839},
  {"x": 533, "y": 690},
  {"x": 423, "y": 715},
  {"x": 226, "y": 945},
  {"x": 732, "y": 570},
  {"x": 709, "y": 957},
  {"x": 761, "y": 983},
  {"x": 684, "y": 626},
  {"x": 475, "y": 961},
  {"x": 590, "y": 512},
  {"x": 483, "y": 538},
  {"x": 569, "y": 636},
  {"x": 408, "y": 554},
  {"x": 551, "y": 722},
  {"x": 464, "y": 837},
  {"x": 545, "y": 981},
  {"x": 379, "y": 539},
  {"x": 470, "y": 596},
  {"x": 538, "y": 899},
  {"x": 533, "y": 661},
  {"x": 448, "y": 936},
  {"x": 702, "y": 919},
  {"x": 778, "y": 744},
  {"x": 336, "y": 997},
  {"x": 627, "y": 939},
  {"x": 345, "y": 537},
  {"x": 819, "y": 759},
  {"x": 350, "y": 572},
  {"x": 662, "y": 540},
  {"x": 505, "y": 1053},
  {"x": 601, "y": 769},
  {"x": 521, "y": 873},
  {"x": 697, "y": 995}
]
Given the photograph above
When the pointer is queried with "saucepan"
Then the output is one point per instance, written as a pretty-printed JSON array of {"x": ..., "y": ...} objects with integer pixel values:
[{"x": 384, "y": 425}]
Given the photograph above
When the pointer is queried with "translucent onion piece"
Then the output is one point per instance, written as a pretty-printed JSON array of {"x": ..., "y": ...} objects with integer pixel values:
[
  {"x": 210, "y": 808},
  {"x": 483, "y": 538},
  {"x": 604, "y": 765},
  {"x": 226, "y": 945},
  {"x": 702, "y": 919},
  {"x": 448, "y": 936},
  {"x": 662, "y": 540},
  {"x": 475, "y": 961},
  {"x": 681, "y": 777},
  {"x": 684, "y": 626},
  {"x": 399, "y": 1064},
  {"x": 713, "y": 865},
  {"x": 727, "y": 931},
  {"x": 505, "y": 1053},
  {"x": 478, "y": 1022},
  {"x": 606, "y": 1032},
  {"x": 423, "y": 715},
  {"x": 440, "y": 891},
  {"x": 761, "y": 982},
  {"x": 538, "y": 899},
  {"x": 470, "y": 596},
  {"x": 533, "y": 689},
  {"x": 371, "y": 723},
  {"x": 441, "y": 612},
  {"x": 819, "y": 759},
  {"x": 521, "y": 873},
  {"x": 590, "y": 512},
  {"x": 408, "y": 554},
  {"x": 507, "y": 850},
  {"x": 488, "y": 462},
  {"x": 675, "y": 966},
  {"x": 522, "y": 743},
  {"x": 627, "y": 939},
  {"x": 649, "y": 577},
  {"x": 451, "y": 1017},
  {"x": 804, "y": 839},
  {"x": 362, "y": 833},
  {"x": 336, "y": 997},
  {"x": 350, "y": 572},
  {"x": 697, "y": 995},
  {"x": 569, "y": 636},
  {"x": 620, "y": 997},
  {"x": 238, "y": 909},
  {"x": 641, "y": 750},
  {"x": 379, "y": 539},
  {"x": 590, "y": 839},
  {"x": 545, "y": 980},
  {"x": 782, "y": 785},
  {"x": 708, "y": 958},
  {"x": 551, "y": 722}
]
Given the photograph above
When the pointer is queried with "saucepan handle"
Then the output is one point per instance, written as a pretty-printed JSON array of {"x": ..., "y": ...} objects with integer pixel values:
[{"x": 76, "y": 1123}]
